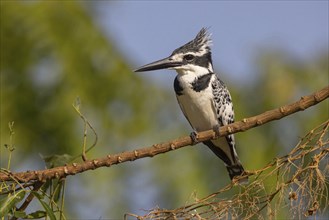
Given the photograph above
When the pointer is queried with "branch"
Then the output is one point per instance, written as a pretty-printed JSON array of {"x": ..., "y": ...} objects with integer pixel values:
[
  {"x": 298, "y": 188},
  {"x": 243, "y": 125}
]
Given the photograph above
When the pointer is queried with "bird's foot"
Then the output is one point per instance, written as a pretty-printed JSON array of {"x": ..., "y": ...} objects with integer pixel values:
[
  {"x": 216, "y": 130},
  {"x": 194, "y": 136}
]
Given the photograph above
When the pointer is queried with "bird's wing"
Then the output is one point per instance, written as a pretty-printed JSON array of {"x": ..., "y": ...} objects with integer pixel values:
[
  {"x": 224, "y": 147},
  {"x": 223, "y": 106}
]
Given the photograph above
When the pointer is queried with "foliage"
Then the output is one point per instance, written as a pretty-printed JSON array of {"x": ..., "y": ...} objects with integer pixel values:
[{"x": 51, "y": 53}]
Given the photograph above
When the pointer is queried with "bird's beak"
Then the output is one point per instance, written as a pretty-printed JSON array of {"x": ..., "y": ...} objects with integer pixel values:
[{"x": 165, "y": 63}]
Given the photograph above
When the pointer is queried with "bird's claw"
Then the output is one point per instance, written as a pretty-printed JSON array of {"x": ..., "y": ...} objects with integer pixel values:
[
  {"x": 216, "y": 130},
  {"x": 194, "y": 136}
]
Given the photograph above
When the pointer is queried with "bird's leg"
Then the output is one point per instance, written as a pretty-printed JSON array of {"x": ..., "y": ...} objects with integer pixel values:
[
  {"x": 194, "y": 136},
  {"x": 216, "y": 130}
]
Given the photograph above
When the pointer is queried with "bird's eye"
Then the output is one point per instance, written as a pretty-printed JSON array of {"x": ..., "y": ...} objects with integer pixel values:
[{"x": 188, "y": 57}]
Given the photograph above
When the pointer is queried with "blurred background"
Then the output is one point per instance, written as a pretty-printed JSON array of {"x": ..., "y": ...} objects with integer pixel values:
[{"x": 53, "y": 52}]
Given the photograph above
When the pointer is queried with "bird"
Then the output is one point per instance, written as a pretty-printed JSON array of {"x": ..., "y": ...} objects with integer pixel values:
[{"x": 203, "y": 97}]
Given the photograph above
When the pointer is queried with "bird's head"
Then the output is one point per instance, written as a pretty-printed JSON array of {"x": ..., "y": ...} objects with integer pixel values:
[{"x": 195, "y": 56}]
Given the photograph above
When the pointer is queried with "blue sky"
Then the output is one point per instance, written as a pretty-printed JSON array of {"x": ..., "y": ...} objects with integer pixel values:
[{"x": 145, "y": 31}]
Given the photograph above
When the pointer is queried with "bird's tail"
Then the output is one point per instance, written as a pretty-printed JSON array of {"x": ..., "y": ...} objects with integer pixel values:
[
  {"x": 237, "y": 170},
  {"x": 230, "y": 159}
]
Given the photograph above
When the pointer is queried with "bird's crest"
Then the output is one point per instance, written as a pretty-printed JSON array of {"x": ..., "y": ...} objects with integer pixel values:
[{"x": 200, "y": 44}]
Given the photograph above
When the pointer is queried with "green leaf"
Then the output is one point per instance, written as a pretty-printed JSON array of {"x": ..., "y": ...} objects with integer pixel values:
[
  {"x": 10, "y": 202},
  {"x": 36, "y": 215},
  {"x": 47, "y": 208},
  {"x": 57, "y": 189},
  {"x": 46, "y": 185},
  {"x": 20, "y": 214},
  {"x": 56, "y": 160}
]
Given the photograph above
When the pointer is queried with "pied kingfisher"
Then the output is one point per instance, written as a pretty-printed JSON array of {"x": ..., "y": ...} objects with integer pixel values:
[{"x": 202, "y": 96}]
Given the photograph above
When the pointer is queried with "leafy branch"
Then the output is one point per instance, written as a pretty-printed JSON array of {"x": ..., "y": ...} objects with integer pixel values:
[{"x": 243, "y": 125}]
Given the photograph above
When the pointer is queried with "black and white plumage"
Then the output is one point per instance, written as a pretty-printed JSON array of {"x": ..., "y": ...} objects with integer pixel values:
[{"x": 202, "y": 96}]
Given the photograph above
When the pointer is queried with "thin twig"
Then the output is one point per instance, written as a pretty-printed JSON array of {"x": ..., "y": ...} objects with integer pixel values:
[
  {"x": 76, "y": 107},
  {"x": 303, "y": 184}
]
